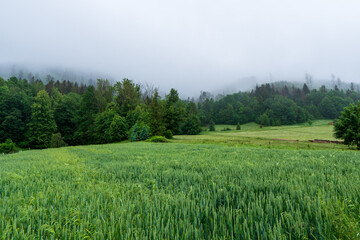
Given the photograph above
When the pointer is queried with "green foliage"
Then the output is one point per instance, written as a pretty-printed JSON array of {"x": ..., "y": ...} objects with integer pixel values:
[
  {"x": 84, "y": 115},
  {"x": 144, "y": 134},
  {"x": 174, "y": 112},
  {"x": 85, "y": 133},
  {"x": 57, "y": 141},
  {"x": 191, "y": 124},
  {"x": 264, "y": 120},
  {"x": 102, "y": 125},
  {"x": 103, "y": 93},
  {"x": 157, "y": 124},
  {"x": 127, "y": 96},
  {"x": 157, "y": 139},
  {"x": 66, "y": 116},
  {"x": 168, "y": 134},
  {"x": 347, "y": 127},
  {"x": 212, "y": 125},
  {"x": 15, "y": 110},
  {"x": 133, "y": 134},
  {"x": 42, "y": 125},
  {"x": 118, "y": 129},
  {"x": 7, "y": 147},
  {"x": 238, "y": 126}
]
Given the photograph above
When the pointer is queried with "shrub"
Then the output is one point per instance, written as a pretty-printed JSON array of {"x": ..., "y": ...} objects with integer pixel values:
[
  {"x": 7, "y": 147},
  {"x": 158, "y": 139},
  {"x": 238, "y": 126},
  {"x": 168, "y": 134},
  {"x": 57, "y": 141}
]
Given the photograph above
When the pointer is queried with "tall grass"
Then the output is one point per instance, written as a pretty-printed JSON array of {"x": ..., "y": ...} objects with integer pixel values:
[{"x": 179, "y": 191}]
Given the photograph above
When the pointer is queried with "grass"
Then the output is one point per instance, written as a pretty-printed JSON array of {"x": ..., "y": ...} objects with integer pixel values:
[
  {"x": 179, "y": 191},
  {"x": 269, "y": 137}
]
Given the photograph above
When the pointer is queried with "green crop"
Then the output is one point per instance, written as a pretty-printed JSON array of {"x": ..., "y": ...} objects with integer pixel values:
[{"x": 179, "y": 191}]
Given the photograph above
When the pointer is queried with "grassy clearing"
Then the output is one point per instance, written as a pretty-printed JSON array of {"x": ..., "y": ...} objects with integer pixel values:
[
  {"x": 179, "y": 191},
  {"x": 269, "y": 137}
]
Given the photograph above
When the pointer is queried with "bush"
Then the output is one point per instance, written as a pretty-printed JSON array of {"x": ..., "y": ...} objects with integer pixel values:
[
  {"x": 158, "y": 139},
  {"x": 168, "y": 134},
  {"x": 238, "y": 126},
  {"x": 7, "y": 147},
  {"x": 226, "y": 129},
  {"x": 57, "y": 141}
]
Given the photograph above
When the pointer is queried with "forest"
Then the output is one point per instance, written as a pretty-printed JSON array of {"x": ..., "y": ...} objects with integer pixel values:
[{"x": 38, "y": 114}]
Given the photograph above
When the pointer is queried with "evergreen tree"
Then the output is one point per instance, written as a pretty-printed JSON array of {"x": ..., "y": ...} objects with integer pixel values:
[
  {"x": 133, "y": 135},
  {"x": 127, "y": 96},
  {"x": 192, "y": 123},
  {"x": 104, "y": 93},
  {"x": 212, "y": 125},
  {"x": 144, "y": 134},
  {"x": 174, "y": 112},
  {"x": 85, "y": 133},
  {"x": 238, "y": 126},
  {"x": 157, "y": 125},
  {"x": 42, "y": 125}
]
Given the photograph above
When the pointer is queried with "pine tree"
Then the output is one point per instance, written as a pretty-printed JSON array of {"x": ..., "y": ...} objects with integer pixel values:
[
  {"x": 85, "y": 133},
  {"x": 212, "y": 125},
  {"x": 157, "y": 125},
  {"x": 192, "y": 122},
  {"x": 144, "y": 134},
  {"x": 133, "y": 135},
  {"x": 174, "y": 112},
  {"x": 238, "y": 126},
  {"x": 42, "y": 125}
]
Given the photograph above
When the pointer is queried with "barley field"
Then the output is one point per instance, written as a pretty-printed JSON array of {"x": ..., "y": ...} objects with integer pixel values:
[{"x": 179, "y": 191}]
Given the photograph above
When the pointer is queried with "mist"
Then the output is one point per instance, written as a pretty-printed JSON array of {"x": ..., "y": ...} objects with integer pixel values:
[{"x": 186, "y": 45}]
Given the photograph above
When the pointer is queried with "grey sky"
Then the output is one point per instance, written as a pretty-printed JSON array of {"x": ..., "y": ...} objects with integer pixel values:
[{"x": 188, "y": 45}]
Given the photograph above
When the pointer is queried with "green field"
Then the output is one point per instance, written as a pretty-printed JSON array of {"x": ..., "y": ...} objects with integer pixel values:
[
  {"x": 179, "y": 191},
  {"x": 288, "y": 137}
]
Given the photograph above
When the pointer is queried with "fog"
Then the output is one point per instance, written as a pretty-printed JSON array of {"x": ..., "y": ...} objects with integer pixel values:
[{"x": 188, "y": 45}]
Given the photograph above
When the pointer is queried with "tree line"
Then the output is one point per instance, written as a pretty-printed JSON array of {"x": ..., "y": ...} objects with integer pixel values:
[
  {"x": 40, "y": 115},
  {"x": 272, "y": 106}
]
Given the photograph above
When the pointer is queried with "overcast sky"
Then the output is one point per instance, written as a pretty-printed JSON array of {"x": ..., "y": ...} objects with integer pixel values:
[{"x": 188, "y": 45}]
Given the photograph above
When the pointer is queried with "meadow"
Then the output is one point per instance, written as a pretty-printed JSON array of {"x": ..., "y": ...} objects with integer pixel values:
[
  {"x": 179, "y": 191},
  {"x": 285, "y": 137}
]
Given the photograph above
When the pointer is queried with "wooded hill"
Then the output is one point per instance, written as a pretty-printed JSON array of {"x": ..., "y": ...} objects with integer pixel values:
[{"x": 39, "y": 115}]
